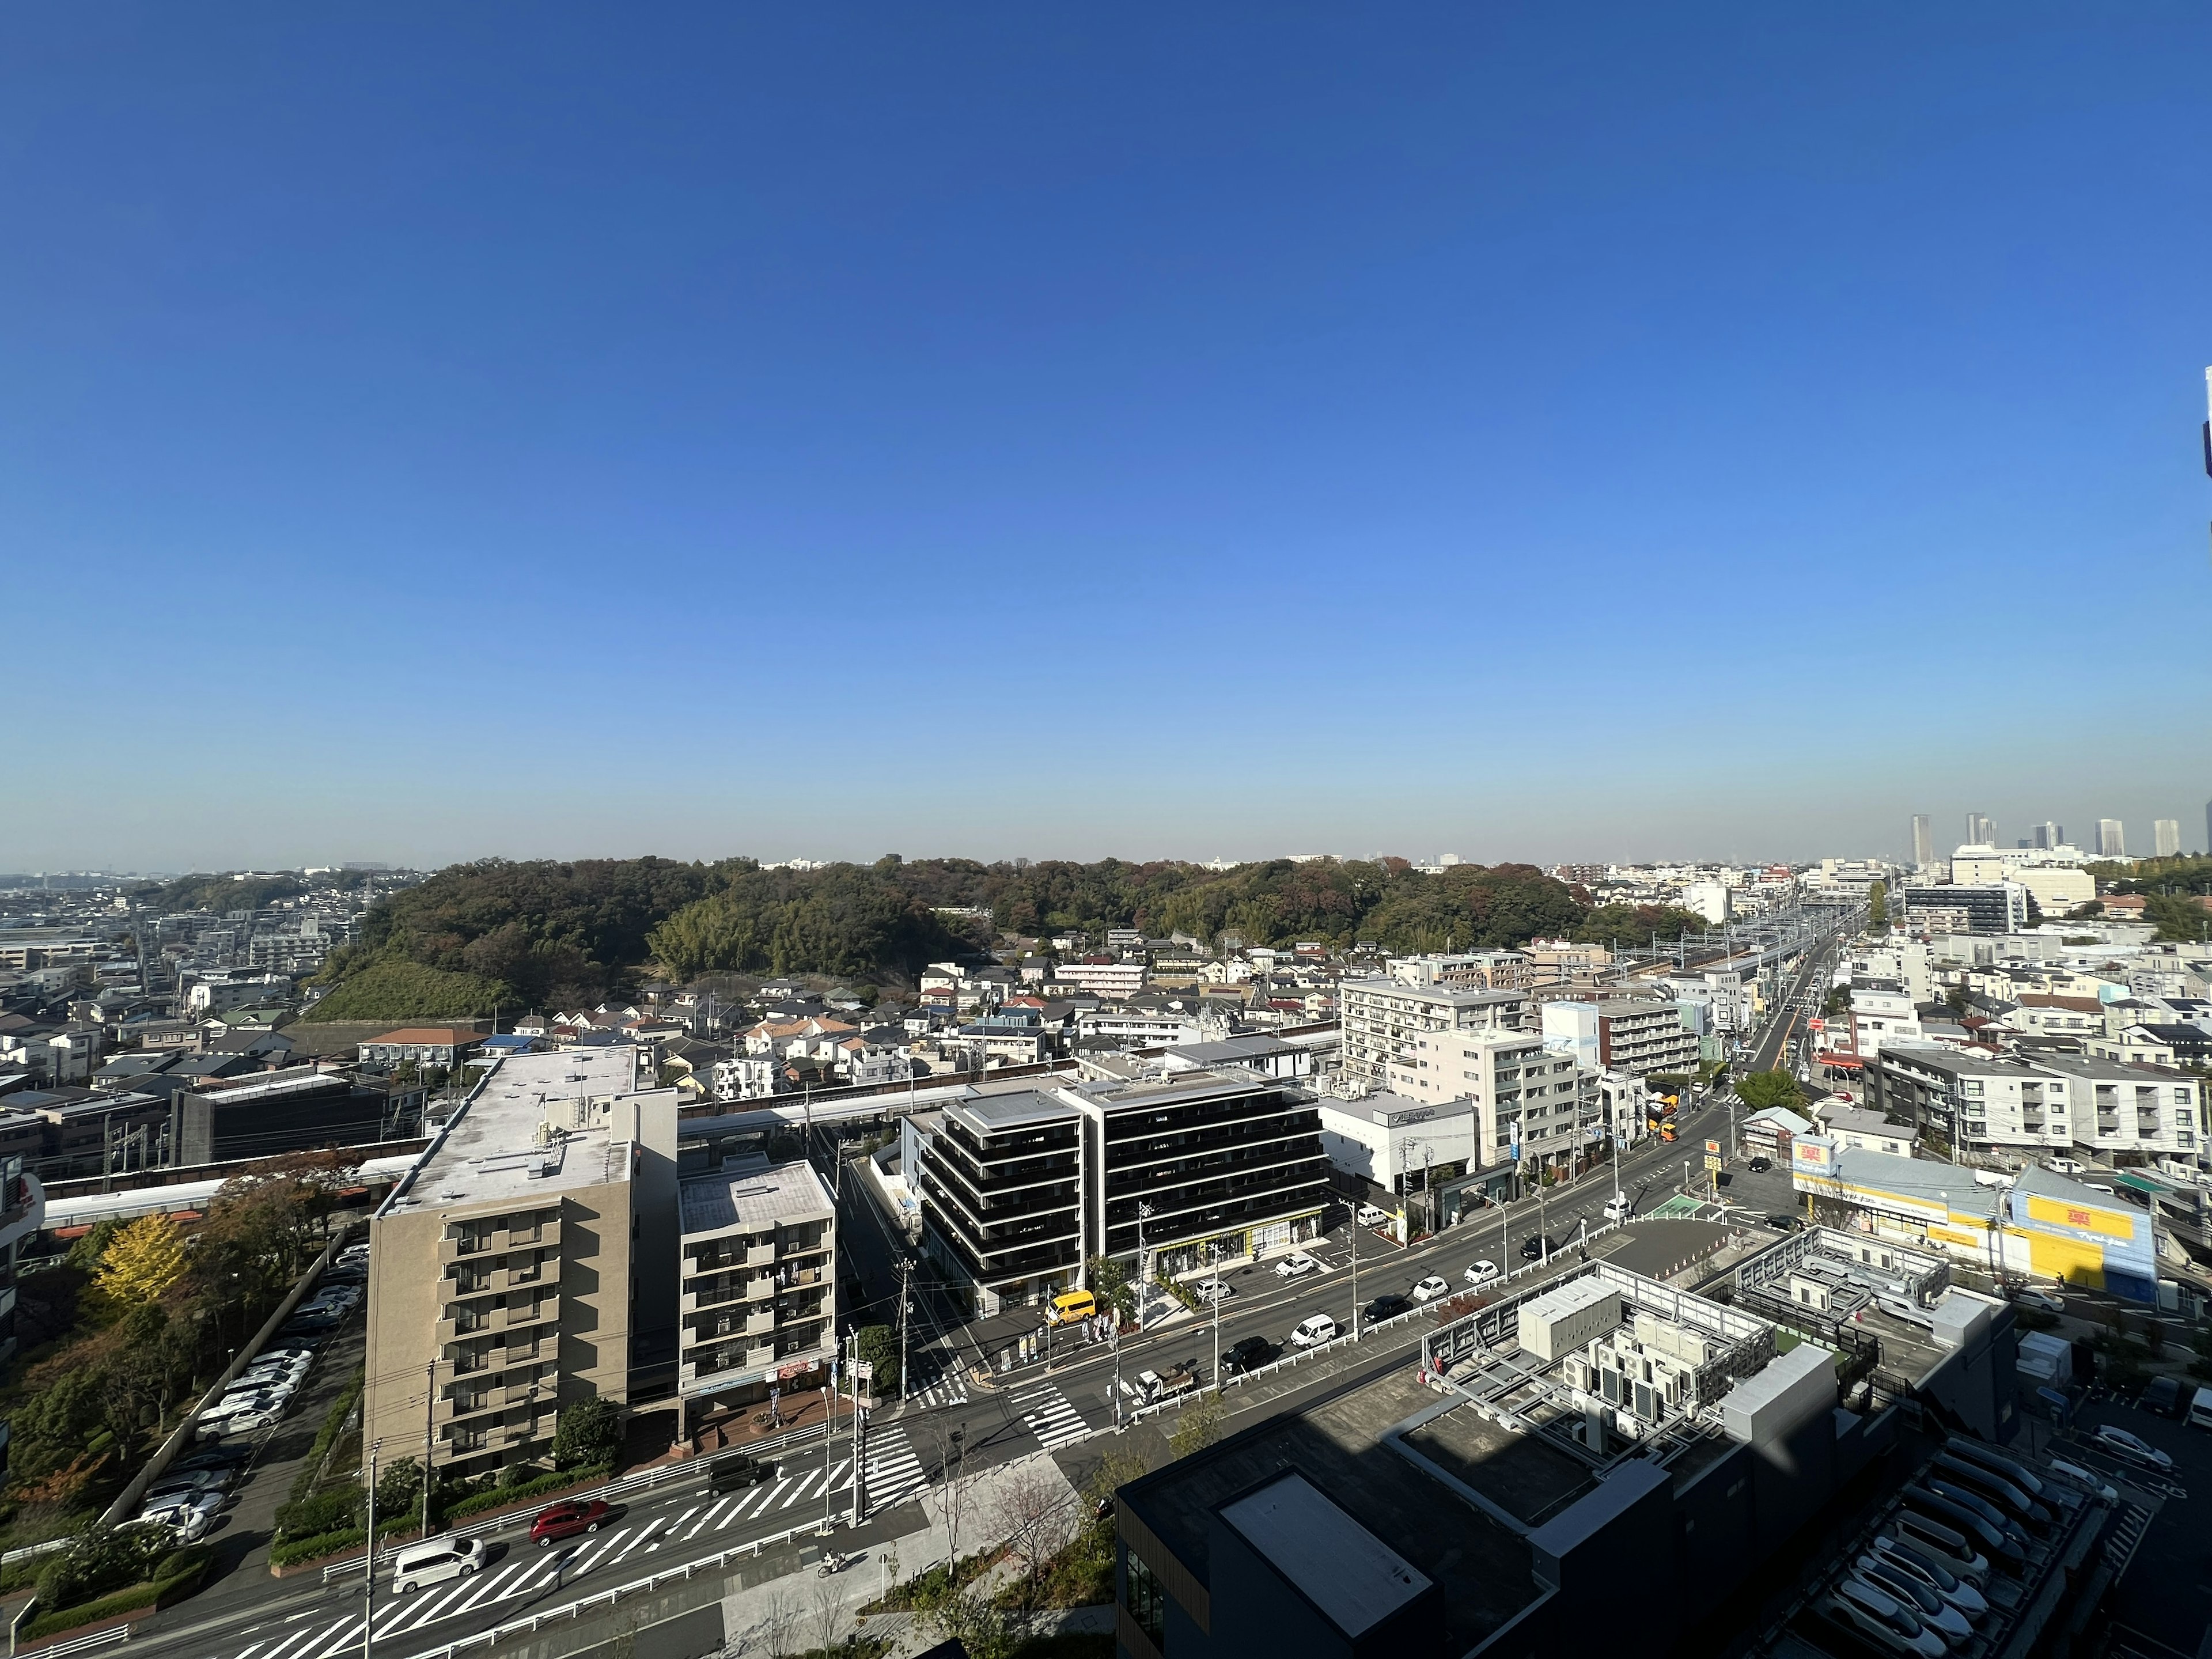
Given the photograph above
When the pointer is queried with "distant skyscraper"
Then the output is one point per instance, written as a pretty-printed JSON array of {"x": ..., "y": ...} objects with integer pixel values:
[
  {"x": 2049, "y": 834},
  {"x": 1923, "y": 837},
  {"x": 2111, "y": 839},
  {"x": 2166, "y": 837},
  {"x": 1981, "y": 830}
]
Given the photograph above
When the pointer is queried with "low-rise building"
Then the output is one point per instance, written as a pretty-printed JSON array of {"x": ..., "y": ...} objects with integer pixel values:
[{"x": 423, "y": 1045}]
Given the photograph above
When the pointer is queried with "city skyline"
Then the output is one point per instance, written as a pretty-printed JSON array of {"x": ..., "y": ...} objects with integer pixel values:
[{"x": 1019, "y": 433}]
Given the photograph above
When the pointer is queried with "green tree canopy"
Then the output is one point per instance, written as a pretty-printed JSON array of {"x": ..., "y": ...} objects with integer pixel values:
[
  {"x": 587, "y": 1432},
  {"x": 1760, "y": 1090}
]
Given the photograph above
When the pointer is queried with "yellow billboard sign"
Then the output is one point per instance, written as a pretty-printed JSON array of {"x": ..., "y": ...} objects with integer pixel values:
[{"x": 2082, "y": 1218}]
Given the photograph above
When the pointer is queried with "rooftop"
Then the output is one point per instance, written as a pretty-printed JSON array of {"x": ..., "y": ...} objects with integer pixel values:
[
  {"x": 428, "y": 1034},
  {"x": 492, "y": 1151},
  {"x": 1355, "y": 1578},
  {"x": 754, "y": 1200},
  {"x": 996, "y": 1114}
]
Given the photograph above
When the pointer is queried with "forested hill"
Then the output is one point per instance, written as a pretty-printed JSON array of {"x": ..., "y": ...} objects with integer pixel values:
[{"x": 532, "y": 935}]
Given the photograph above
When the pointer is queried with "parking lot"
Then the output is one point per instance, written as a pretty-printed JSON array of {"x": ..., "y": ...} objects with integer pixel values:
[
  {"x": 266, "y": 1454},
  {"x": 2166, "y": 1593}
]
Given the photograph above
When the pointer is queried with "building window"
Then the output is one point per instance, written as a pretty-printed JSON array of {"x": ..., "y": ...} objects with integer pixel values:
[{"x": 1147, "y": 1600}]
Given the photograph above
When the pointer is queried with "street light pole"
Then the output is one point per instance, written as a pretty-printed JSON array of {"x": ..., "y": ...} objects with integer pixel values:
[{"x": 1144, "y": 1214}]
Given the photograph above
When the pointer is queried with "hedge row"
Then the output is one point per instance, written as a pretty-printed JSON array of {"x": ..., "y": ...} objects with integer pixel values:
[
  {"x": 334, "y": 1420},
  {"x": 293, "y": 1551},
  {"x": 500, "y": 1496},
  {"x": 187, "y": 1567}
]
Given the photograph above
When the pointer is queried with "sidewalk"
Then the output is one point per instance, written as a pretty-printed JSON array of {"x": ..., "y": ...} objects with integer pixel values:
[{"x": 803, "y": 1610}]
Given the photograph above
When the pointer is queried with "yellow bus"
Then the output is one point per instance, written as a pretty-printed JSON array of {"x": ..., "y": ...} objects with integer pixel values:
[{"x": 1071, "y": 1307}]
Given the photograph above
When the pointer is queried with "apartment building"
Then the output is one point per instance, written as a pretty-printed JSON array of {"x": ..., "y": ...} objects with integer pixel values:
[
  {"x": 2056, "y": 1100},
  {"x": 1622, "y": 1035},
  {"x": 1002, "y": 1196},
  {"x": 1384, "y": 1017},
  {"x": 1475, "y": 970},
  {"x": 1526, "y": 1095},
  {"x": 1104, "y": 976},
  {"x": 529, "y": 1261},
  {"x": 1138, "y": 1027},
  {"x": 757, "y": 1304},
  {"x": 1990, "y": 907}
]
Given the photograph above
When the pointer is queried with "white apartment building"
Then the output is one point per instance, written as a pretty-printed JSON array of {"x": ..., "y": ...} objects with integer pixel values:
[
  {"x": 1477, "y": 970},
  {"x": 1101, "y": 978},
  {"x": 746, "y": 1077},
  {"x": 1513, "y": 1080},
  {"x": 1622, "y": 1035},
  {"x": 1711, "y": 899},
  {"x": 2053, "y": 874},
  {"x": 2054, "y": 1102},
  {"x": 1139, "y": 1028},
  {"x": 1903, "y": 960},
  {"x": 1383, "y": 1018}
]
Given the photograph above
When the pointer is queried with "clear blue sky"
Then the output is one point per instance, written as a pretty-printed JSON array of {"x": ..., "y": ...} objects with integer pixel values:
[{"x": 429, "y": 433}]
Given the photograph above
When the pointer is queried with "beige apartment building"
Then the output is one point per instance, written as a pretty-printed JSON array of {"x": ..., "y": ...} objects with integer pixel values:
[
  {"x": 529, "y": 1261},
  {"x": 758, "y": 1297},
  {"x": 1513, "y": 1081},
  {"x": 1383, "y": 1018}
]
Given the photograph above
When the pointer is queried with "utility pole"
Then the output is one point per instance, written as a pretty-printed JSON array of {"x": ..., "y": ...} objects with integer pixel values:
[
  {"x": 860, "y": 1430},
  {"x": 1355, "y": 1296},
  {"x": 906, "y": 1296},
  {"x": 429, "y": 1434},
  {"x": 368, "y": 1585},
  {"x": 1144, "y": 1214},
  {"x": 828, "y": 1434},
  {"x": 1217, "y": 1314}
]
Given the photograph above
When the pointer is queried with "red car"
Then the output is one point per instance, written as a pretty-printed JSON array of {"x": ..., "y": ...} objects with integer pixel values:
[{"x": 566, "y": 1520}]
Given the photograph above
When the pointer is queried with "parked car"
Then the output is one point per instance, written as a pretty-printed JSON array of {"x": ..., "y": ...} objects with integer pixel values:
[
  {"x": 1297, "y": 1265},
  {"x": 1760, "y": 1165},
  {"x": 176, "y": 1485},
  {"x": 1249, "y": 1354},
  {"x": 214, "y": 1426},
  {"x": 1431, "y": 1288},
  {"x": 1313, "y": 1330},
  {"x": 2043, "y": 1301},
  {"x": 1930, "y": 1572},
  {"x": 2165, "y": 1396},
  {"x": 1881, "y": 1621},
  {"x": 1386, "y": 1307},
  {"x": 2132, "y": 1448},
  {"x": 1372, "y": 1216},
  {"x": 1481, "y": 1273},
  {"x": 1215, "y": 1290},
  {"x": 1923, "y": 1599},
  {"x": 2095, "y": 1482},
  {"x": 566, "y": 1520},
  {"x": 1620, "y": 1208},
  {"x": 225, "y": 1460},
  {"x": 188, "y": 1521}
]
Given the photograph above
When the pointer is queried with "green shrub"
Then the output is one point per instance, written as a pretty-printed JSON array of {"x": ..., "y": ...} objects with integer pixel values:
[
  {"x": 176, "y": 1576},
  {"x": 334, "y": 1422},
  {"x": 294, "y": 1551},
  {"x": 559, "y": 1480},
  {"x": 333, "y": 1509}
]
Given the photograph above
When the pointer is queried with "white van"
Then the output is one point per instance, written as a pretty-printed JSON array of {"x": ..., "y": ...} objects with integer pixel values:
[
  {"x": 435, "y": 1560},
  {"x": 1619, "y": 1209},
  {"x": 2200, "y": 1409}
]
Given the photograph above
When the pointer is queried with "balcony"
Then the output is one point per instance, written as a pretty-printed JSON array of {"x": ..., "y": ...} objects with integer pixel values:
[
  {"x": 490, "y": 1321},
  {"x": 546, "y": 1236}
]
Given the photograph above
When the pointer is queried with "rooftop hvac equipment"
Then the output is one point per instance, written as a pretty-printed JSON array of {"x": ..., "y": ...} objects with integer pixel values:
[{"x": 1556, "y": 1323}]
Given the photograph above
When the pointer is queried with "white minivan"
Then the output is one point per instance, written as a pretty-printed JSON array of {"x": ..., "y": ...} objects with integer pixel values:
[
  {"x": 1314, "y": 1330},
  {"x": 2200, "y": 1409},
  {"x": 434, "y": 1560}
]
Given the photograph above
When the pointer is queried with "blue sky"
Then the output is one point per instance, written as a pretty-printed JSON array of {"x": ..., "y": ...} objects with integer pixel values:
[{"x": 440, "y": 432}]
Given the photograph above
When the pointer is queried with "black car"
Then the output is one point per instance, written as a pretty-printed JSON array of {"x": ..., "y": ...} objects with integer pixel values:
[
  {"x": 737, "y": 1472},
  {"x": 1252, "y": 1352},
  {"x": 2165, "y": 1396},
  {"x": 1787, "y": 1223},
  {"x": 1536, "y": 1247},
  {"x": 1387, "y": 1307},
  {"x": 1760, "y": 1165}
]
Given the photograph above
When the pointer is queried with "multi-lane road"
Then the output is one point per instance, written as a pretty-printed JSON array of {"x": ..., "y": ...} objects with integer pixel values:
[{"x": 959, "y": 1418}]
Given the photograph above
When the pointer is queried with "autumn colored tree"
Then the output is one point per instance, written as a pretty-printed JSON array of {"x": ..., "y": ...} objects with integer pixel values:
[{"x": 141, "y": 1262}]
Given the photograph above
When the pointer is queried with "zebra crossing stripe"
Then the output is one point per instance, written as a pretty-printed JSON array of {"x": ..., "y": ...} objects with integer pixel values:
[
  {"x": 343, "y": 1634},
  {"x": 704, "y": 1519},
  {"x": 593, "y": 1560}
]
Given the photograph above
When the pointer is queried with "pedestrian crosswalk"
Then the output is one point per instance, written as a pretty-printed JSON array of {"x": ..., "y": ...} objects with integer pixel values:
[
  {"x": 1050, "y": 1417},
  {"x": 895, "y": 1474},
  {"x": 521, "y": 1571},
  {"x": 948, "y": 1388}
]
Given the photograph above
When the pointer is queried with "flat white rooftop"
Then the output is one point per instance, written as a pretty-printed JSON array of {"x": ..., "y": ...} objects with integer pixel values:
[
  {"x": 492, "y": 1151},
  {"x": 756, "y": 1200},
  {"x": 1354, "y": 1577}
]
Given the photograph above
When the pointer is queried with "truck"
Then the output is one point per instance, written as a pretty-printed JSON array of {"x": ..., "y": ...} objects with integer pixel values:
[{"x": 1165, "y": 1385}]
